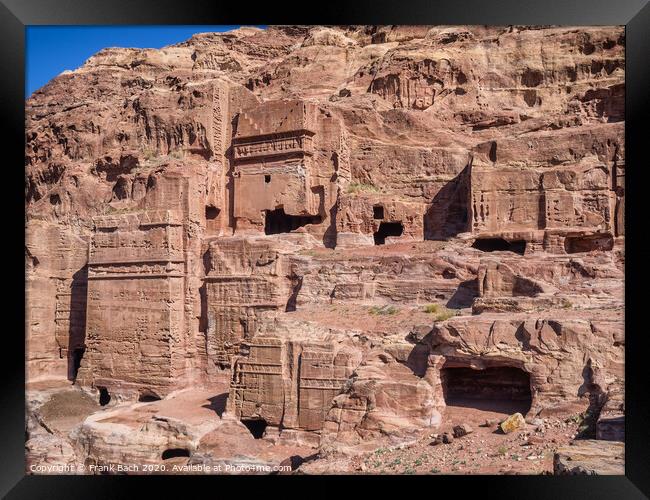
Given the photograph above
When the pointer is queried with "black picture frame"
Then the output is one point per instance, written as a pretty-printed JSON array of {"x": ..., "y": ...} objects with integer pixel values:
[{"x": 15, "y": 15}]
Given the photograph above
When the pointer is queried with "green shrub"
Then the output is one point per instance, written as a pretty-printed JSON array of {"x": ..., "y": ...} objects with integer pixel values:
[
  {"x": 383, "y": 310},
  {"x": 441, "y": 312},
  {"x": 432, "y": 308},
  {"x": 361, "y": 187}
]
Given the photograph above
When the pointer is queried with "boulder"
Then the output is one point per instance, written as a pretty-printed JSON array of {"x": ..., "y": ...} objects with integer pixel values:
[
  {"x": 462, "y": 430},
  {"x": 512, "y": 423}
]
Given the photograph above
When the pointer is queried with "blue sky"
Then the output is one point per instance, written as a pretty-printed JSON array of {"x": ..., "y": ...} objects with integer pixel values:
[{"x": 49, "y": 50}]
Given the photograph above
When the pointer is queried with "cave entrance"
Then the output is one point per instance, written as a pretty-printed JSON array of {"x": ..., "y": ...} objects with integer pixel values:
[
  {"x": 175, "y": 453},
  {"x": 577, "y": 244},
  {"x": 276, "y": 221},
  {"x": 104, "y": 396},
  {"x": 148, "y": 396},
  {"x": 211, "y": 212},
  {"x": 500, "y": 245},
  {"x": 256, "y": 427},
  {"x": 503, "y": 389},
  {"x": 388, "y": 229}
]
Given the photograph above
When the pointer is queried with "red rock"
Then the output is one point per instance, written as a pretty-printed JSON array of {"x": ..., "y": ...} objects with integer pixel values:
[
  {"x": 462, "y": 430},
  {"x": 277, "y": 208}
]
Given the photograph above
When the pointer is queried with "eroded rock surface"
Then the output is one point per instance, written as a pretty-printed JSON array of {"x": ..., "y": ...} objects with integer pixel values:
[
  {"x": 298, "y": 244},
  {"x": 590, "y": 457}
]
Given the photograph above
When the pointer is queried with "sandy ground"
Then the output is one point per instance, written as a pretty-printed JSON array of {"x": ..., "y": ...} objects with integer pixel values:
[{"x": 484, "y": 451}]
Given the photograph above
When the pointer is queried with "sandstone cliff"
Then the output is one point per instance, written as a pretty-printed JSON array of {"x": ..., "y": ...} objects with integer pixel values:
[{"x": 354, "y": 226}]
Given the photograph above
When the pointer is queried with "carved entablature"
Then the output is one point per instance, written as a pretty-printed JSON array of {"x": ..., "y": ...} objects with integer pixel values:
[
  {"x": 274, "y": 129},
  {"x": 296, "y": 143},
  {"x": 140, "y": 237},
  {"x": 274, "y": 158}
]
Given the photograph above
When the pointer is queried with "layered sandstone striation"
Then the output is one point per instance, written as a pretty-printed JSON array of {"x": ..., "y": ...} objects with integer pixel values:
[{"x": 338, "y": 232}]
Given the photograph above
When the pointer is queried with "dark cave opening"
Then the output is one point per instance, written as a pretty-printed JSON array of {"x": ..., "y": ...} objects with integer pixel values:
[
  {"x": 378, "y": 212},
  {"x": 277, "y": 222},
  {"x": 175, "y": 452},
  {"x": 504, "y": 389},
  {"x": 256, "y": 427},
  {"x": 500, "y": 245},
  {"x": 577, "y": 244},
  {"x": 148, "y": 397},
  {"x": 387, "y": 229},
  {"x": 104, "y": 396},
  {"x": 211, "y": 212}
]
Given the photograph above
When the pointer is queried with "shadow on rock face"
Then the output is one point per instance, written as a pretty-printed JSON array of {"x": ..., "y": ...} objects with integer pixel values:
[
  {"x": 218, "y": 403},
  {"x": 464, "y": 295}
]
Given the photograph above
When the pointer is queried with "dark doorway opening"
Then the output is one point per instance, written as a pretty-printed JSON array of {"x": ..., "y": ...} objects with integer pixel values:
[
  {"x": 104, "y": 396},
  {"x": 77, "y": 321},
  {"x": 388, "y": 229},
  {"x": 267, "y": 179},
  {"x": 175, "y": 452},
  {"x": 378, "y": 212},
  {"x": 77, "y": 356},
  {"x": 577, "y": 244},
  {"x": 276, "y": 221},
  {"x": 148, "y": 397},
  {"x": 256, "y": 427},
  {"x": 211, "y": 212},
  {"x": 503, "y": 389},
  {"x": 500, "y": 245}
]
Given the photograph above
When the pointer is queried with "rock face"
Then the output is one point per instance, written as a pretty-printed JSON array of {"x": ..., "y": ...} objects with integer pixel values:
[
  {"x": 590, "y": 457},
  {"x": 356, "y": 226}
]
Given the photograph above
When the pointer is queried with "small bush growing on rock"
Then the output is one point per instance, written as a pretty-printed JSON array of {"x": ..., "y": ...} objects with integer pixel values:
[
  {"x": 432, "y": 308},
  {"x": 441, "y": 312},
  {"x": 383, "y": 310},
  {"x": 361, "y": 187}
]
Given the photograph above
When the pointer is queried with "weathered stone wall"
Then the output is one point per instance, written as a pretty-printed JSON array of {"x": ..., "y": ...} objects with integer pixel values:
[{"x": 209, "y": 207}]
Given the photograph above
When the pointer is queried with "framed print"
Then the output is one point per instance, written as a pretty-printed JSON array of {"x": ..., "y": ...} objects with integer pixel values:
[{"x": 389, "y": 242}]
